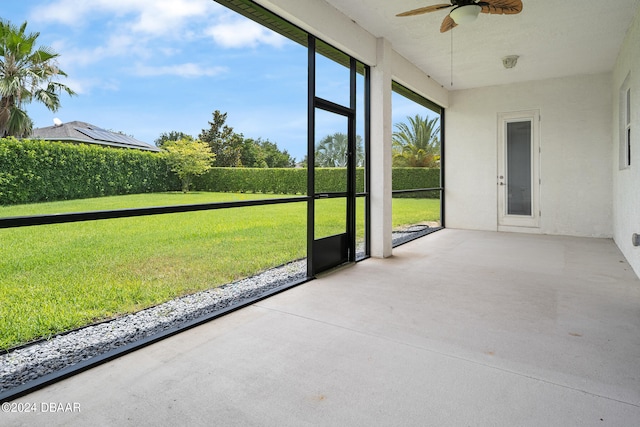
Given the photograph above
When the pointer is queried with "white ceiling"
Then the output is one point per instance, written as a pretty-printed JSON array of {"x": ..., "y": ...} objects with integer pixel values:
[{"x": 554, "y": 38}]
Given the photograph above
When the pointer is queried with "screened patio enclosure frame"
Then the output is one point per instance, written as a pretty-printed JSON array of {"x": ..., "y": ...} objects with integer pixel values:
[
  {"x": 420, "y": 100},
  {"x": 269, "y": 20},
  {"x": 281, "y": 26}
]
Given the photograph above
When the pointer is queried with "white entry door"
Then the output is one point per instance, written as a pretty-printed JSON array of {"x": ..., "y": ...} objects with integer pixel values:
[{"x": 518, "y": 170}]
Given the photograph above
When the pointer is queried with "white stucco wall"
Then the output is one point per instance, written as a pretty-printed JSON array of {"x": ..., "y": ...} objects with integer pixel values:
[
  {"x": 580, "y": 185},
  {"x": 626, "y": 182},
  {"x": 575, "y": 162}
]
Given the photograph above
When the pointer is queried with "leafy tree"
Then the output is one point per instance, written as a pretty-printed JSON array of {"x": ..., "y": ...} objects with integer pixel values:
[
  {"x": 188, "y": 159},
  {"x": 261, "y": 153},
  {"x": 224, "y": 142},
  {"x": 233, "y": 150},
  {"x": 417, "y": 144},
  {"x": 332, "y": 149},
  {"x": 171, "y": 136},
  {"x": 274, "y": 157},
  {"x": 27, "y": 73},
  {"x": 252, "y": 155}
]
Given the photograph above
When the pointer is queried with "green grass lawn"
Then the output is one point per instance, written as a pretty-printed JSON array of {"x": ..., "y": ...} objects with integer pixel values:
[
  {"x": 58, "y": 277},
  {"x": 129, "y": 201}
]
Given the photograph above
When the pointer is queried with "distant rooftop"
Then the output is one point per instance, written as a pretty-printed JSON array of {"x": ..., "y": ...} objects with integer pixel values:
[{"x": 81, "y": 132}]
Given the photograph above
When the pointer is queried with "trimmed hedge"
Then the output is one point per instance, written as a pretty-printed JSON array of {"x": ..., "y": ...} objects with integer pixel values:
[
  {"x": 412, "y": 178},
  {"x": 294, "y": 181},
  {"x": 253, "y": 180},
  {"x": 335, "y": 179},
  {"x": 38, "y": 171}
]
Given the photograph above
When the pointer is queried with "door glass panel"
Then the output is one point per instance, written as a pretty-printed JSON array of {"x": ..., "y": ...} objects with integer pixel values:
[
  {"x": 330, "y": 217},
  {"x": 332, "y": 78},
  {"x": 519, "y": 168},
  {"x": 331, "y": 148}
]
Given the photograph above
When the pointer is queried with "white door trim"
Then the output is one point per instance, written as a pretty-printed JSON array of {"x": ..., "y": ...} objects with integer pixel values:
[{"x": 506, "y": 222}]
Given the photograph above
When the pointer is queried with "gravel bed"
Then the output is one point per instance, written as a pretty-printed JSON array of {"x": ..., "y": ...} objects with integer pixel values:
[
  {"x": 33, "y": 361},
  {"x": 412, "y": 232},
  {"x": 41, "y": 358}
]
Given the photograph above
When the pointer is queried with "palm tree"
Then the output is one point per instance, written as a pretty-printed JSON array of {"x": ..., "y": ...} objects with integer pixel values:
[
  {"x": 331, "y": 151},
  {"x": 27, "y": 73},
  {"x": 417, "y": 144}
]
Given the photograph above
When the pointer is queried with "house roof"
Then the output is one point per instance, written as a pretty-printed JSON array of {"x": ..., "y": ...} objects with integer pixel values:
[
  {"x": 553, "y": 39},
  {"x": 90, "y": 134}
]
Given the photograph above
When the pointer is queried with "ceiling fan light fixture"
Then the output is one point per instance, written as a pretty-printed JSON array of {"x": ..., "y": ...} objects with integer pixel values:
[{"x": 465, "y": 14}]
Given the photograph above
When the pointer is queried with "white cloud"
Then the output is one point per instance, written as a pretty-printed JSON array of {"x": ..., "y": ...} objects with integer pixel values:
[
  {"x": 188, "y": 70},
  {"x": 239, "y": 33},
  {"x": 78, "y": 86},
  {"x": 86, "y": 86},
  {"x": 119, "y": 30},
  {"x": 155, "y": 17},
  {"x": 165, "y": 16},
  {"x": 168, "y": 51},
  {"x": 116, "y": 45},
  {"x": 128, "y": 28},
  {"x": 64, "y": 11}
]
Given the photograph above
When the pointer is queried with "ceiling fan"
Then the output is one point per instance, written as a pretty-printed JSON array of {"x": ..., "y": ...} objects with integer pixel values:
[{"x": 467, "y": 10}]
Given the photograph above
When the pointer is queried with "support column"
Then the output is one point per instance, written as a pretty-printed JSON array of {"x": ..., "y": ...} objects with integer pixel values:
[{"x": 381, "y": 124}]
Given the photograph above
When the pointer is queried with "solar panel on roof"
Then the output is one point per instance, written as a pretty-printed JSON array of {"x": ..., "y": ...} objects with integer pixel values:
[{"x": 103, "y": 135}]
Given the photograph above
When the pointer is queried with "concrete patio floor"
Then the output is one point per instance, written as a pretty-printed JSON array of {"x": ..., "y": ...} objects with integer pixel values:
[{"x": 459, "y": 328}]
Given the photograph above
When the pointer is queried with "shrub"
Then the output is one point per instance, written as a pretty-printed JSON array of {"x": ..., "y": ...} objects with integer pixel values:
[
  {"x": 294, "y": 181},
  {"x": 414, "y": 178},
  {"x": 256, "y": 180},
  {"x": 188, "y": 159},
  {"x": 39, "y": 171}
]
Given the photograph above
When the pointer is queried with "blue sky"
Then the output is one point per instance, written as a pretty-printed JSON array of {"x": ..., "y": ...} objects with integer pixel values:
[{"x": 144, "y": 67}]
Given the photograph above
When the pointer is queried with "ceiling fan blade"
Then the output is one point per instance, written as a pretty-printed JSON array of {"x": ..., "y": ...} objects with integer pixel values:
[
  {"x": 447, "y": 24},
  {"x": 499, "y": 7},
  {"x": 426, "y": 9}
]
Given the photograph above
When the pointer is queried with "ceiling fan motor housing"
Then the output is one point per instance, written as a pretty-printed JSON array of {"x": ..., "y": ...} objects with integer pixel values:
[{"x": 465, "y": 13}]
